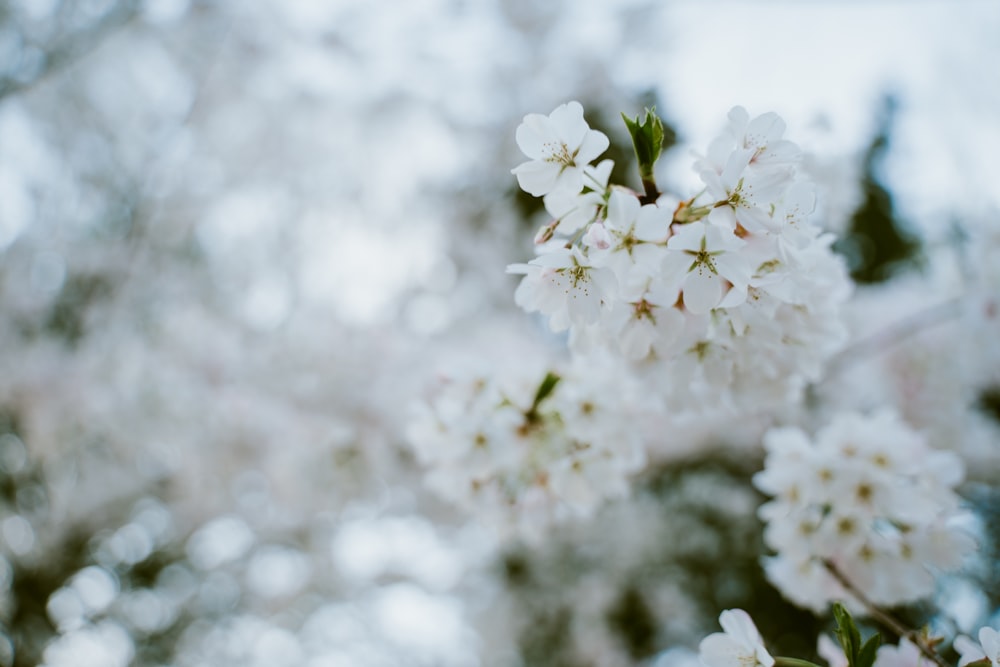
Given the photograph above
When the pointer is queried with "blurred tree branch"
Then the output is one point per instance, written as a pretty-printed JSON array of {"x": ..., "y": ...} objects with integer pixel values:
[{"x": 65, "y": 49}]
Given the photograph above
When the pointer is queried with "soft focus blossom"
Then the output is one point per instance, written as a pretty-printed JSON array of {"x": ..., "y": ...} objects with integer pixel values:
[
  {"x": 740, "y": 645},
  {"x": 867, "y": 497},
  {"x": 726, "y": 301},
  {"x": 988, "y": 647}
]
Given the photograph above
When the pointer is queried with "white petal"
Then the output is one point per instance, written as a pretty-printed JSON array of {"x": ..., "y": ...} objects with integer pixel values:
[
  {"x": 719, "y": 650},
  {"x": 570, "y": 179},
  {"x": 557, "y": 259},
  {"x": 738, "y": 625},
  {"x": 733, "y": 268},
  {"x": 653, "y": 223},
  {"x": 532, "y": 134},
  {"x": 594, "y": 143},
  {"x": 736, "y": 296},
  {"x": 622, "y": 210},
  {"x": 601, "y": 173},
  {"x": 738, "y": 119},
  {"x": 702, "y": 290},
  {"x": 569, "y": 125},
  {"x": 689, "y": 237},
  {"x": 537, "y": 178},
  {"x": 990, "y": 641},
  {"x": 764, "y": 129},
  {"x": 605, "y": 282}
]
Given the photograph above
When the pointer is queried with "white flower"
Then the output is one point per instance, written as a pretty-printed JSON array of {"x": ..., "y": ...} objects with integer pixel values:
[
  {"x": 649, "y": 323},
  {"x": 705, "y": 256},
  {"x": 867, "y": 495},
  {"x": 634, "y": 235},
  {"x": 988, "y": 647},
  {"x": 489, "y": 444},
  {"x": 906, "y": 654},
  {"x": 747, "y": 194},
  {"x": 790, "y": 219},
  {"x": 761, "y": 136},
  {"x": 597, "y": 237},
  {"x": 574, "y": 210},
  {"x": 831, "y": 651},
  {"x": 560, "y": 146},
  {"x": 564, "y": 285},
  {"x": 739, "y": 646}
]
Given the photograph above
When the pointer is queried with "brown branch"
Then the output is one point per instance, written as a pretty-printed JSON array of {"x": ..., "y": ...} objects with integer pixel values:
[
  {"x": 71, "y": 48},
  {"x": 885, "y": 618},
  {"x": 896, "y": 332}
]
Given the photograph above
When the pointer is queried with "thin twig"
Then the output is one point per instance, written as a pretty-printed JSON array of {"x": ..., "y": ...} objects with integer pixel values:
[
  {"x": 73, "y": 47},
  {"x": 885, "y": 618},
  {"x": 904, "y": 328}
]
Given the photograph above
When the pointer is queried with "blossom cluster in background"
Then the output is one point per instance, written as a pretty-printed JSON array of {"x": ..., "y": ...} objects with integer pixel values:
[
  {"x": 522, "y": 449},
  {"x": 867, "y": 499}
]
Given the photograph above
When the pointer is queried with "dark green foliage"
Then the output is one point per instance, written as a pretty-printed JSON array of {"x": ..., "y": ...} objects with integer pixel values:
[
  {"x": 67, "y": 319},
  {"x": 876, "y": 243},
  {"x": 988, "y": 402},
  {"x": 633, "y": 620},
  {"x": 714, "y": 561},
  {"x": 516, "y": 572},
  {"x": 35, "y": 578},
  {"x": 32, "y": 585},
  {"x": 545, "y": 641},
  {"x": 733, "y": 577}
]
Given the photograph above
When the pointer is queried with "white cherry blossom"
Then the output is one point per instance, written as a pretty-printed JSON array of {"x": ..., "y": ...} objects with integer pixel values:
[
  {"x": 564, "y": 285},
  {"x": 572, "y": 211},
  {"x": 747, "y": 194},
  {"x": 739, "y": 646},
  {"x": 560, "y": 146},
  {"x": 762, "y": 136},
  {"x": 864, "y": 496},
  {"x": 706, "y": 256},
  {"x": 633, "y": 234}
]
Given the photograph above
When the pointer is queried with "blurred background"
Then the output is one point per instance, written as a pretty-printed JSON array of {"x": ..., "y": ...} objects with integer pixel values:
[{"x": 238, "y": 238}]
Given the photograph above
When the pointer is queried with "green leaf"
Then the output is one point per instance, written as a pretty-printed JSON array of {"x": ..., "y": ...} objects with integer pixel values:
[
  {"x": 866, "y": 657},
  {"x": 544, "y": 389},
  {"x": 858, "y": 655},
  {"x": 647, "y": 139}
]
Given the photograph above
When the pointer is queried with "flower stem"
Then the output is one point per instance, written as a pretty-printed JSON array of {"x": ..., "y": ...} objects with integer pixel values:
[
  {"x": 652, "y": 193},
  {"x": 885, "y": 618},
  {"x": 780, "y": 661}
]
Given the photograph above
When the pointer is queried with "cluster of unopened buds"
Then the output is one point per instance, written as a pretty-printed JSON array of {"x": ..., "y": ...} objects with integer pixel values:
[{"x": 729, "y": 298}]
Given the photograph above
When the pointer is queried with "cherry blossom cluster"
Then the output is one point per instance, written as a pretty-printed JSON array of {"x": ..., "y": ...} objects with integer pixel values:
[
  {"x": 522, "y": 451},
  {"x": 741, "y": 645},
  {"x": 731, "y": 295},
  {"x": 866, "y": 505},
  {"x": 986, "y": 651}
]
